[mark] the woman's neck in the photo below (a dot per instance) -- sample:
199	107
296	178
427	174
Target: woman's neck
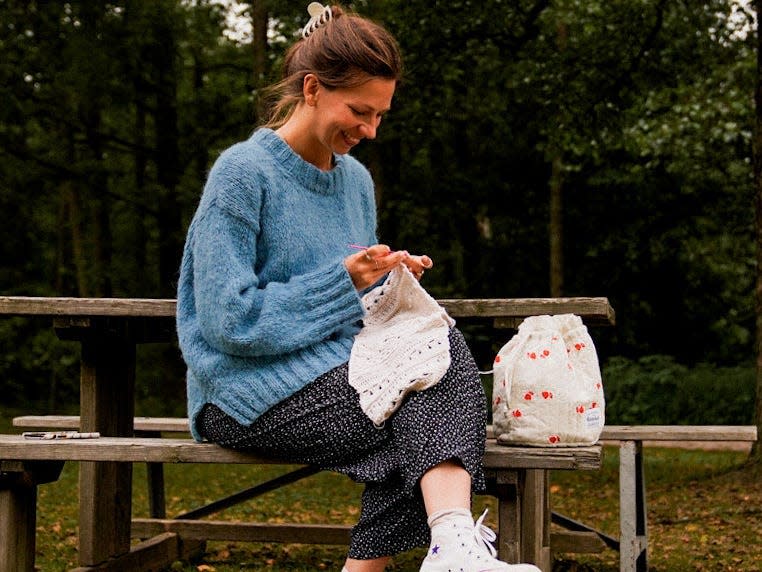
296	134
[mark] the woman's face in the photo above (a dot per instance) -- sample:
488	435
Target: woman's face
346	116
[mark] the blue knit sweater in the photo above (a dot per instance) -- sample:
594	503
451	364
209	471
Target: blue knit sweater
264	303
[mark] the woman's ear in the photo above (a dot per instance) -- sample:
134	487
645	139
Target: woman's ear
310	89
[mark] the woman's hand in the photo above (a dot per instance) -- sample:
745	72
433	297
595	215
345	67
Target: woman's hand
417	264
369	266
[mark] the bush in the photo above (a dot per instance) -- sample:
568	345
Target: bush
659	391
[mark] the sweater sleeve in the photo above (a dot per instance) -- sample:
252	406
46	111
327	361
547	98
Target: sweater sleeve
240	316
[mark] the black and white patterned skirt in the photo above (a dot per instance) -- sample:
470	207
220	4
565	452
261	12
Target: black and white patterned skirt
323	425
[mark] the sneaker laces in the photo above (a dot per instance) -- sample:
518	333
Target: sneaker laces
484	535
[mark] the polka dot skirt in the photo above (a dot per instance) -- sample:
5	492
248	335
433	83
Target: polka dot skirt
323	425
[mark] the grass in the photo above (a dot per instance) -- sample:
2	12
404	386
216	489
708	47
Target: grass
705	514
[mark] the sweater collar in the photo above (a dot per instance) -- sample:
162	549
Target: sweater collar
303	171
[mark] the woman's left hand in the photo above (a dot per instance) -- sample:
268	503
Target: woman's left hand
417	264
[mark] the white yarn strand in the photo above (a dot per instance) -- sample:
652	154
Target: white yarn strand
319	16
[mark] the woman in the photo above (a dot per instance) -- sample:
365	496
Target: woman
269	304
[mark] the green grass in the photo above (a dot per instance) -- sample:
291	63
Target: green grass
705	513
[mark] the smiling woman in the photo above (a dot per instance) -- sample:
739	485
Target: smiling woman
271	301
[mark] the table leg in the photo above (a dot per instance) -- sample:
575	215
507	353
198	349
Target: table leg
107	405
18	510
633	541
535	519
504	486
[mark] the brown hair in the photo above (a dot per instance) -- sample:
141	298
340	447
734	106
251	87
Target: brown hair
346	51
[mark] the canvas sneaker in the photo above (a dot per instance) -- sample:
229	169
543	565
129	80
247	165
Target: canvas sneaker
467	549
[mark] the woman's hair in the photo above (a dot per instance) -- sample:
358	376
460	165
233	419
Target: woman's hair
345	51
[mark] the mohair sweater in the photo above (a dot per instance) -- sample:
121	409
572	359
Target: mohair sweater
264	302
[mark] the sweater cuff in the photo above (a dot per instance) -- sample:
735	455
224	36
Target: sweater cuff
331	297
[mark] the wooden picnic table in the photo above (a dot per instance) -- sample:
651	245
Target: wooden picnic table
108	331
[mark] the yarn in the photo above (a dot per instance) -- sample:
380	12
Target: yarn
402	347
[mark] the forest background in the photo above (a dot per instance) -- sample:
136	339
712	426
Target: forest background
535	148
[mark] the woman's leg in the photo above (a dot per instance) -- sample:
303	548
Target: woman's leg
445	486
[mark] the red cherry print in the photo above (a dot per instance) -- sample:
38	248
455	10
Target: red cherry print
580	408
498	400
578	346
531	355
547	395
529	395
553	439
516	413
597	386
545	353
593	405
497	359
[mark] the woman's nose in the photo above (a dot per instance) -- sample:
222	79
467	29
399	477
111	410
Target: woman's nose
368	129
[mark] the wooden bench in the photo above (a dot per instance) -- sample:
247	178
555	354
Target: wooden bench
516	476
632	542
633	514
108	331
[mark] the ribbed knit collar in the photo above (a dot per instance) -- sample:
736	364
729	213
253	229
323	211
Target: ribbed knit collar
303	171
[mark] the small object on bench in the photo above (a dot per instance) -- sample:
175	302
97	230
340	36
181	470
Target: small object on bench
143	427
60	435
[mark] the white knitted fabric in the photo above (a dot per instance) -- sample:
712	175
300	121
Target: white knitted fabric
403	346
547	387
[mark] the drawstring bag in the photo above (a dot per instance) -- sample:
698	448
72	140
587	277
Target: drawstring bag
547	387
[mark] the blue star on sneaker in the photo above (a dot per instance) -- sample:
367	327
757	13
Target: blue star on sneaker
435	550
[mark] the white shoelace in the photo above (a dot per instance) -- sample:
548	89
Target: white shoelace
484	535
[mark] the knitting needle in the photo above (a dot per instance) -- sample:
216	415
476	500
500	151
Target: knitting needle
365	248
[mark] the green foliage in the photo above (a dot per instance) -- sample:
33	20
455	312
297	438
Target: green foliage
45	376
111	114
657	390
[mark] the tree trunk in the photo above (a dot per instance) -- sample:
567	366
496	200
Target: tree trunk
556	230
259	46
556	218
167	152
756	453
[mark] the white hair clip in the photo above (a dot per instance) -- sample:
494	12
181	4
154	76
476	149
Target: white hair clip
319	15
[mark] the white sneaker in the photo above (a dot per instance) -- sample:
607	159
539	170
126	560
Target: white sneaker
459	549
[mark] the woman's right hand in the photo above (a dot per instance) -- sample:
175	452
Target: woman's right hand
369	266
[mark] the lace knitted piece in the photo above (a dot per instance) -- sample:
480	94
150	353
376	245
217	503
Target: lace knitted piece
402	347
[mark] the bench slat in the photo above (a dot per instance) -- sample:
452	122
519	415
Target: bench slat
243	531
679	433
609	433
158	450
164	424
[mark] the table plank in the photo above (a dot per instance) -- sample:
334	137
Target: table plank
594	310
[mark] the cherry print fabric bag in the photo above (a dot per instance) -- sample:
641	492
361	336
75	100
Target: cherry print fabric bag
547	387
